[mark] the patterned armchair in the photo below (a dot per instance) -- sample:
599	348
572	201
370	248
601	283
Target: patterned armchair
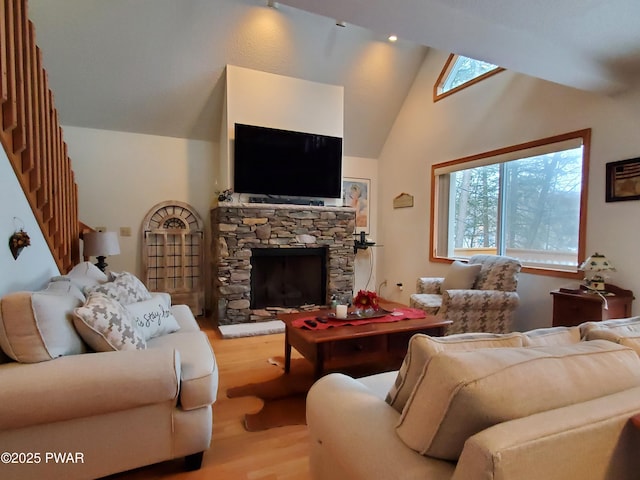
488	306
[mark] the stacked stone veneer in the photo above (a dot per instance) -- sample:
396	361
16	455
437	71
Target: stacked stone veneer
239	228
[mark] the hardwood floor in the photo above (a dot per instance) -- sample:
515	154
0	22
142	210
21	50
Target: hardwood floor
275	454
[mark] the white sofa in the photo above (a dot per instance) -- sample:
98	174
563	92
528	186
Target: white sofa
67	412
552	408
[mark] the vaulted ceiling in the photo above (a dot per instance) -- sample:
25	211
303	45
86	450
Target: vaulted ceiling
156	66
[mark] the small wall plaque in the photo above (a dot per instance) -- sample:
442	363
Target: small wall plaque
403	200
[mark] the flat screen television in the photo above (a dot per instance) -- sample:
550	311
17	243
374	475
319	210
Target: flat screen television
270	161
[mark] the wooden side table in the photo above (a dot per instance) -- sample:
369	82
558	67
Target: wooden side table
573	308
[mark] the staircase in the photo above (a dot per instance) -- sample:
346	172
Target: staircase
32	137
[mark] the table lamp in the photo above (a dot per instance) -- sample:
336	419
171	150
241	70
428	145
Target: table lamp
101	245
593	268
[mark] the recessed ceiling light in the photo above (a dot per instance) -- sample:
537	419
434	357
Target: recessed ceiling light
393	38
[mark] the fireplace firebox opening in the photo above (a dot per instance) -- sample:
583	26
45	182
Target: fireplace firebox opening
288	277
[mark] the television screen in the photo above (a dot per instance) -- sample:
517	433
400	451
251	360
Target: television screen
282	162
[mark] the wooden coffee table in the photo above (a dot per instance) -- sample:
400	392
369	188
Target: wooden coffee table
348	346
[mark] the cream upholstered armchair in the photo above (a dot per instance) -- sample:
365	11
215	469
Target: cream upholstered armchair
479	296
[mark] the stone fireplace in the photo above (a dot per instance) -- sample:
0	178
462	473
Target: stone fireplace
305	235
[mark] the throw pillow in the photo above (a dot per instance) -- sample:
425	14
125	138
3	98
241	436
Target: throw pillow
64	286
38	326
625	338
551	336
126	288
460	276
422	348
463	393
84	275
153	317
106	325
618	325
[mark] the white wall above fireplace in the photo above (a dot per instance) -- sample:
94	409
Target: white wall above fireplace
277	101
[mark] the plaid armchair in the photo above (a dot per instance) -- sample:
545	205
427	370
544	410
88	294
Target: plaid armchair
488	306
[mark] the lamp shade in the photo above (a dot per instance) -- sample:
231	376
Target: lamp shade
101	244
596	263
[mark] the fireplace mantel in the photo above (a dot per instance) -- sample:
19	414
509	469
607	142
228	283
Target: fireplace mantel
238	228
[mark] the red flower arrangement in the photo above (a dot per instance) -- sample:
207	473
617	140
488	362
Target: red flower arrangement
366	300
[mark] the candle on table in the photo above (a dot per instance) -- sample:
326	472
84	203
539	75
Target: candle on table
341	311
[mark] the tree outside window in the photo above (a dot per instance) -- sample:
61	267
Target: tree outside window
526	206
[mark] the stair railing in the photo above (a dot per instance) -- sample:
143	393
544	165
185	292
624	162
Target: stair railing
32	137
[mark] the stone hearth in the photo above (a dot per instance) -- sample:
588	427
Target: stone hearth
239	228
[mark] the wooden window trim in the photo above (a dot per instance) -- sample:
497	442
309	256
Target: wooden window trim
582	229
447	69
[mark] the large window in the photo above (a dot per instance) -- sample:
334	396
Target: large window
460	72
527	201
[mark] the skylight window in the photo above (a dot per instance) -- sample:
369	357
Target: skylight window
460	72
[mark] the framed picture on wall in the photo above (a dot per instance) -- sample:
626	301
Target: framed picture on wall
623	180
356	193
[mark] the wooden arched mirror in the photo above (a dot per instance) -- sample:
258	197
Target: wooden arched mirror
173	253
